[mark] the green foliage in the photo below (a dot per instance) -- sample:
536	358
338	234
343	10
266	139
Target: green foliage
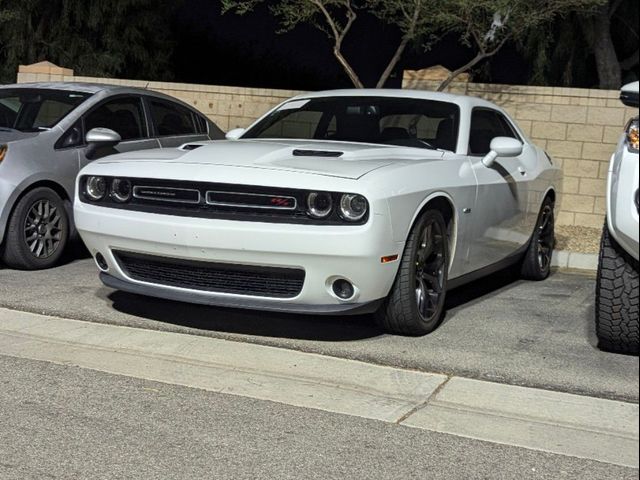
94	37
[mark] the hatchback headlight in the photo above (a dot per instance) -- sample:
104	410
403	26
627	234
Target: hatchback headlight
632	135
95	188
353	208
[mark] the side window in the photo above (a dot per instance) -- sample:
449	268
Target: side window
509	131
171	119
485	126
201	124
123	115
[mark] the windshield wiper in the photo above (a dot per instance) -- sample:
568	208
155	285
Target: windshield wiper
8	129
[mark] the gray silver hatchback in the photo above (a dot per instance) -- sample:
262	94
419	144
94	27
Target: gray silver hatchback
49	131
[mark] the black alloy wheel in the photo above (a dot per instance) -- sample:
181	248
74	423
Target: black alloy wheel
429	272
37	231
545	238
43	229
416	302
536	264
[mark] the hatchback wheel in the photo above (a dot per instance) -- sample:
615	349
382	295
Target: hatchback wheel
38	231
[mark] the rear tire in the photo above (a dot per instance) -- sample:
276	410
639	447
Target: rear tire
616	298
37	232
416	302
537	261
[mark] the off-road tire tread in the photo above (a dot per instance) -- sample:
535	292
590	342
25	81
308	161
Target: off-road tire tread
616	298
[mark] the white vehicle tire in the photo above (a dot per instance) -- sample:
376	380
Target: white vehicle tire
616	298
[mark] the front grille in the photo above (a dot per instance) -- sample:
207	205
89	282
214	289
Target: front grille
221	201
213	277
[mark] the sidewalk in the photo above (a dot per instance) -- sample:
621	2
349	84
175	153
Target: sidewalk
566	424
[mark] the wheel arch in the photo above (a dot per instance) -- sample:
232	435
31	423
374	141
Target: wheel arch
47	183
442	202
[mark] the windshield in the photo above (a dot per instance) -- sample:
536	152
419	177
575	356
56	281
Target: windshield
32	110
381	120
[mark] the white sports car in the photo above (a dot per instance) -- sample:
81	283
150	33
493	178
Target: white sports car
336	202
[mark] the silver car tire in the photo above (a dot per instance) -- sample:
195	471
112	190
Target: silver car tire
415	305
37	231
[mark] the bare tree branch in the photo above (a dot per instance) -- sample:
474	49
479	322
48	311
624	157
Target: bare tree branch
406	38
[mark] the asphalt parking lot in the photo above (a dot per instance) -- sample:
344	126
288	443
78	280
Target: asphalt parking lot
501	328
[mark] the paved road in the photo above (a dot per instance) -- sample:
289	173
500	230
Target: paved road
499	329
66	422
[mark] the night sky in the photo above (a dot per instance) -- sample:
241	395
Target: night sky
246	51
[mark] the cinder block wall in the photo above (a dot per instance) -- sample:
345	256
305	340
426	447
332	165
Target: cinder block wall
579	127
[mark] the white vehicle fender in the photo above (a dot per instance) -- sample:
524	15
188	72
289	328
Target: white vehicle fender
401	232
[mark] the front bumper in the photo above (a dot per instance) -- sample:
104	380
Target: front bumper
325	253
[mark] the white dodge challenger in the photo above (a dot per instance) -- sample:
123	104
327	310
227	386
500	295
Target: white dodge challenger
336	202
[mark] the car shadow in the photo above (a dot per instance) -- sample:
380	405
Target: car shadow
281	325
247	322
74	251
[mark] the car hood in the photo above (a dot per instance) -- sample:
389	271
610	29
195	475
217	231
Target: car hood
12	136
311	157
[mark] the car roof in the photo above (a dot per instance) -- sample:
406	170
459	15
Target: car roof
77	87
404	93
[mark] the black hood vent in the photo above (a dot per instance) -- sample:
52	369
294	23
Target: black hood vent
317	153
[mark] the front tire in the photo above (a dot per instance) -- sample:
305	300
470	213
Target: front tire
37	232
416	302
616	298
537	261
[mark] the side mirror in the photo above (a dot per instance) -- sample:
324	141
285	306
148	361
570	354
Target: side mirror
502	147
99	139
235	134
629	95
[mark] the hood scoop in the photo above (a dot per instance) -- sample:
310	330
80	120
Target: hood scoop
317	153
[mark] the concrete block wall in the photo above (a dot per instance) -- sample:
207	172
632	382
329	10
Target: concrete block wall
579	128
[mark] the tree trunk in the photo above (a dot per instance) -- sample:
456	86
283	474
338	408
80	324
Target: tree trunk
609	72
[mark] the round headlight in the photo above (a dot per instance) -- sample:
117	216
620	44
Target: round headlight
96	188
353	208
121	190
320	205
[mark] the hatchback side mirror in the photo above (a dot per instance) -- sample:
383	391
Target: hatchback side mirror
235	134
502	147
99	139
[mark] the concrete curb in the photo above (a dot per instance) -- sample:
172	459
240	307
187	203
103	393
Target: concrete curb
560	423
576	261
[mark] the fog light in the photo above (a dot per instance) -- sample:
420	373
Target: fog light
101	262
343	289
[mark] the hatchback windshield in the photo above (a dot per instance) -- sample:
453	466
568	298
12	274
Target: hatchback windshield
30	110
381	120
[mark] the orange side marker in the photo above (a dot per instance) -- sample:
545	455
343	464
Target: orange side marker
390	259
